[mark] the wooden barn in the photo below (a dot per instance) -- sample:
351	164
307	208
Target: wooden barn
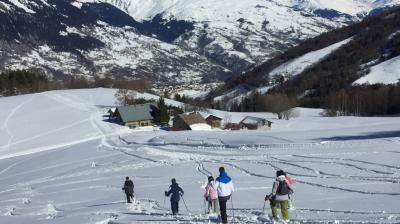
254	123
184	122
214	121
133	116
233	126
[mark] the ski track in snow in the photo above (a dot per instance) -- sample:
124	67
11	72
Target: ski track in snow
5	127
247	172
77	176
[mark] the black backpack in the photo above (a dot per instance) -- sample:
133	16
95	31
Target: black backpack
283	188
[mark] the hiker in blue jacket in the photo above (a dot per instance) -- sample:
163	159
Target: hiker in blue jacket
224	187
176	192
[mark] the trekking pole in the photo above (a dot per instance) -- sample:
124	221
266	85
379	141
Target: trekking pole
293	208
124	196
233	210
264	207
184	202
164	201
205	206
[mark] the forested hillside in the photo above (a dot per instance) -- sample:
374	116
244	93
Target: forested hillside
324	84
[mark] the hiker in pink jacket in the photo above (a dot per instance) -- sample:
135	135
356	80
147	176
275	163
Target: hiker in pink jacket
211	196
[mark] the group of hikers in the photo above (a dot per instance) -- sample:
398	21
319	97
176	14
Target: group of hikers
219	191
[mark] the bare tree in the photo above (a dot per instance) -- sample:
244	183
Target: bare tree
125	97
291	113
277	103
227	118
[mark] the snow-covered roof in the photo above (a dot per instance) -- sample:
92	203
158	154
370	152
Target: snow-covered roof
192	118
253	120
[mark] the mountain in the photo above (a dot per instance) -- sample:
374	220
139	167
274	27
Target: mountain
170	42
96	39
356	60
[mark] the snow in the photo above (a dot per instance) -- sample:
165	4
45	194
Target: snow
4	7
393	35
340	165
387	72
351	7
191	93
200	127
22	4
77	4
297	66
263	23
124	49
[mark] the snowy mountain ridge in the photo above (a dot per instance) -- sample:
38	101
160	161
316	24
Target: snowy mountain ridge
192	10
170	42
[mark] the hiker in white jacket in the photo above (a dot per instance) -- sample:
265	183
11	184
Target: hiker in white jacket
224	187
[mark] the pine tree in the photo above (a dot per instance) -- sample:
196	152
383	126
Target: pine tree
161	115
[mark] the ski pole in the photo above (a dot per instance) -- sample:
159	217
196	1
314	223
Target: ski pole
164	201
184	202
123	193
233	210
205	206
264	207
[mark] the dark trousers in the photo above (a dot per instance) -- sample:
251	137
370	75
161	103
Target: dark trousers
175	207
222	207
128	197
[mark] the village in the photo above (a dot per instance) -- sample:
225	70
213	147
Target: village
143	115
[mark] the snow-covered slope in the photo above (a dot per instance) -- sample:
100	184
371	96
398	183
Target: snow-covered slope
298	65
339	165
286	71
62	118
350	7
387	72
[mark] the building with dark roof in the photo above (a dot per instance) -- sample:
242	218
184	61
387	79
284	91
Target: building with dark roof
133	116
213	121
183	122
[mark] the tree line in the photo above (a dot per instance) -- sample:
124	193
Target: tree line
373	100
281	104
27	81
22	82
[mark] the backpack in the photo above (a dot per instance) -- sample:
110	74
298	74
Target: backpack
283	188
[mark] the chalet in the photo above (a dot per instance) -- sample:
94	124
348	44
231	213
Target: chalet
133	116
254	123
191	121
111	113
213	121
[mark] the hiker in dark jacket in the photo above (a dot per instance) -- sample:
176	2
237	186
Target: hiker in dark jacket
176	192
279	196
128	188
